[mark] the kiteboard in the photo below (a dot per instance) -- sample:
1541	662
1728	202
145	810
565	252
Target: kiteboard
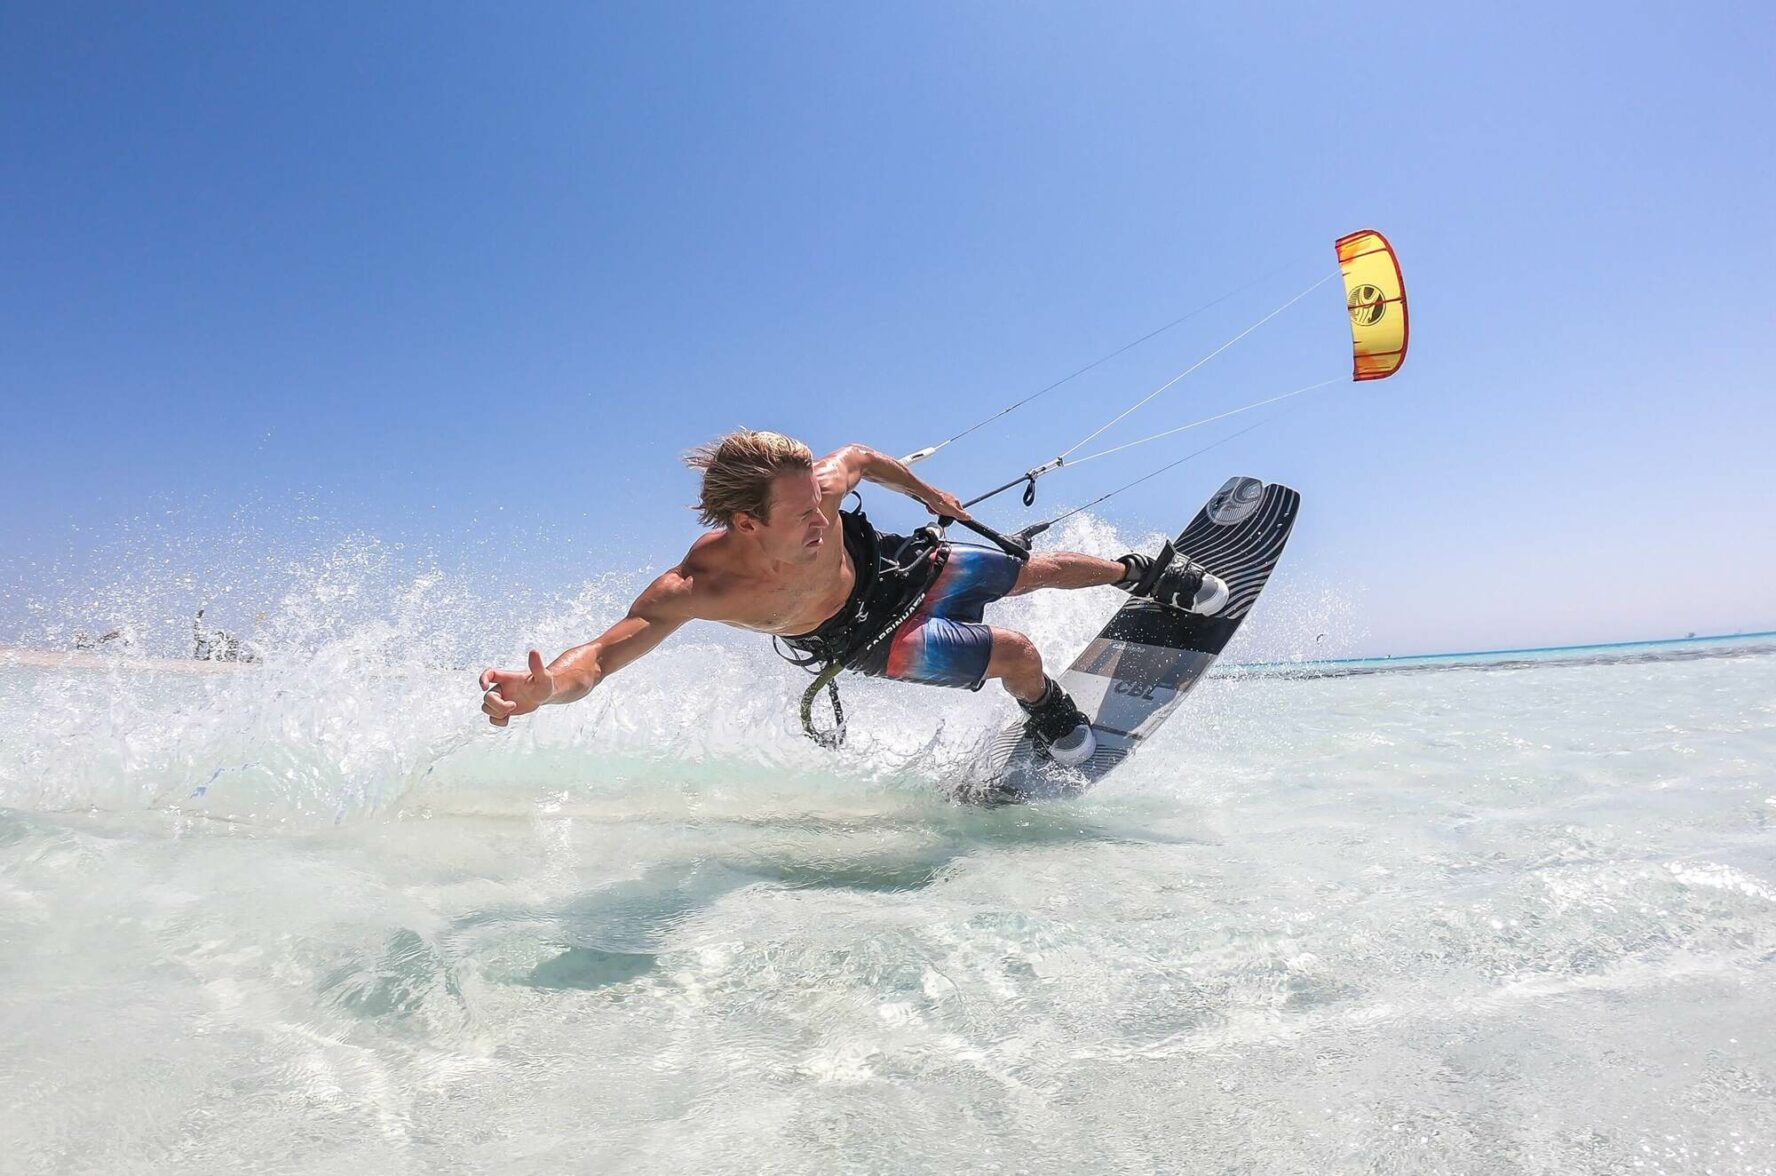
1138	669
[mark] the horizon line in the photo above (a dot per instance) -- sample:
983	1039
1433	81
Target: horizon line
1338	661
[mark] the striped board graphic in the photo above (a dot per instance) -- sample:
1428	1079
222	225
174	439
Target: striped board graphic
1140	666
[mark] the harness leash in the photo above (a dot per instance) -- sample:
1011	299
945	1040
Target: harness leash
834	739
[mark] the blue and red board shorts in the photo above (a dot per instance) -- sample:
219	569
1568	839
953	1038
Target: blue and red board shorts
944	642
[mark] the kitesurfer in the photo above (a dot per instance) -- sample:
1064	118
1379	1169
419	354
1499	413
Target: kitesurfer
906	608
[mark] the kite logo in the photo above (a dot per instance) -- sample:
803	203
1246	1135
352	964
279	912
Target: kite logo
1367	305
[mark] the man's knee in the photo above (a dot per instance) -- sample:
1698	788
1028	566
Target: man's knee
1014	654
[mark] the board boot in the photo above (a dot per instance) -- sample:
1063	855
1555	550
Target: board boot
1182	584
1058	726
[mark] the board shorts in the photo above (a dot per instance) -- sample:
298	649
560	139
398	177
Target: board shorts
944	642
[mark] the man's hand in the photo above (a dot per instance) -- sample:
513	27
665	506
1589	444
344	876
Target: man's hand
506	693
947	505
666	604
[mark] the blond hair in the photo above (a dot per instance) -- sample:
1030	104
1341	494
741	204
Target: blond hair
738	470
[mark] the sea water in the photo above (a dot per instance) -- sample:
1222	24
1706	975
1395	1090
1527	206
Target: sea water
314	916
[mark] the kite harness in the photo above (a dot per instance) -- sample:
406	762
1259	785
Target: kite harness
893	575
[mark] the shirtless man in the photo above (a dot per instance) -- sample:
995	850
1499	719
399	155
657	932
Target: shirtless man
785	560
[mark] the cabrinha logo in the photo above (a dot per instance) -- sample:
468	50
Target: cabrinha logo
1367	305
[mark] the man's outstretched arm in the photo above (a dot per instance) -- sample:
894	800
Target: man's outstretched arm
654	616
860	463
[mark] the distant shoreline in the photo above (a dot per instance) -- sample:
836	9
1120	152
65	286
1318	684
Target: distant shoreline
1658	649
81	659
1556	648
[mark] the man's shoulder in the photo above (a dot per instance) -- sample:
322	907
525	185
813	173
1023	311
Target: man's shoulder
699	584
708	556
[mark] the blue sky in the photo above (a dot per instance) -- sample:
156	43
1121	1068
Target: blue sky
471	277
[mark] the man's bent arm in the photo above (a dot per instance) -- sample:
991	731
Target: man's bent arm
861	463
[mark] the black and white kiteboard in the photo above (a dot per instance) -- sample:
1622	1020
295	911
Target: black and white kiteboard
1140	666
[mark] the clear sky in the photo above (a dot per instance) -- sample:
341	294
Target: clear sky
472	276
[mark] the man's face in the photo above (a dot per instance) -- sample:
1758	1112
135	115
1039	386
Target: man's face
797	527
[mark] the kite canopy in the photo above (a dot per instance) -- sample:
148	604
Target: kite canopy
1375	292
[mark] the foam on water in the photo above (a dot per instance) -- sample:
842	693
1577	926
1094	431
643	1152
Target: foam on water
313	916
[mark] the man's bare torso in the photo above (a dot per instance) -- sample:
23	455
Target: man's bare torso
780	598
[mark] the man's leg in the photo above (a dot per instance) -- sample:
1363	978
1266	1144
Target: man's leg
1056	722
1066	569
1183	585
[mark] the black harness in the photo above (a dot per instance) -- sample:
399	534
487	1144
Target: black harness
894	572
